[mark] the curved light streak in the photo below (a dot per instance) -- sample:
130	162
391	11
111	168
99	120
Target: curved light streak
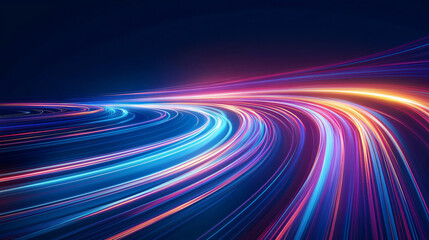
316	153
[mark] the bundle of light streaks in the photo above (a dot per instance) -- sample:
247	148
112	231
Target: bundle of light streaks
319	153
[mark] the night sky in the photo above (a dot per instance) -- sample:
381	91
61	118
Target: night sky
65	50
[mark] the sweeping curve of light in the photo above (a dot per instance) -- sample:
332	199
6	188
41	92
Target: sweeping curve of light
319	153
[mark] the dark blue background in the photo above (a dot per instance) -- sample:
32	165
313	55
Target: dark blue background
63	50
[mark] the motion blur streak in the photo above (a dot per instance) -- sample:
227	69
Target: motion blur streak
337	151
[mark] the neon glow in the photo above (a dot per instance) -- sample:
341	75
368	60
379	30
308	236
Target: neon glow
316	153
